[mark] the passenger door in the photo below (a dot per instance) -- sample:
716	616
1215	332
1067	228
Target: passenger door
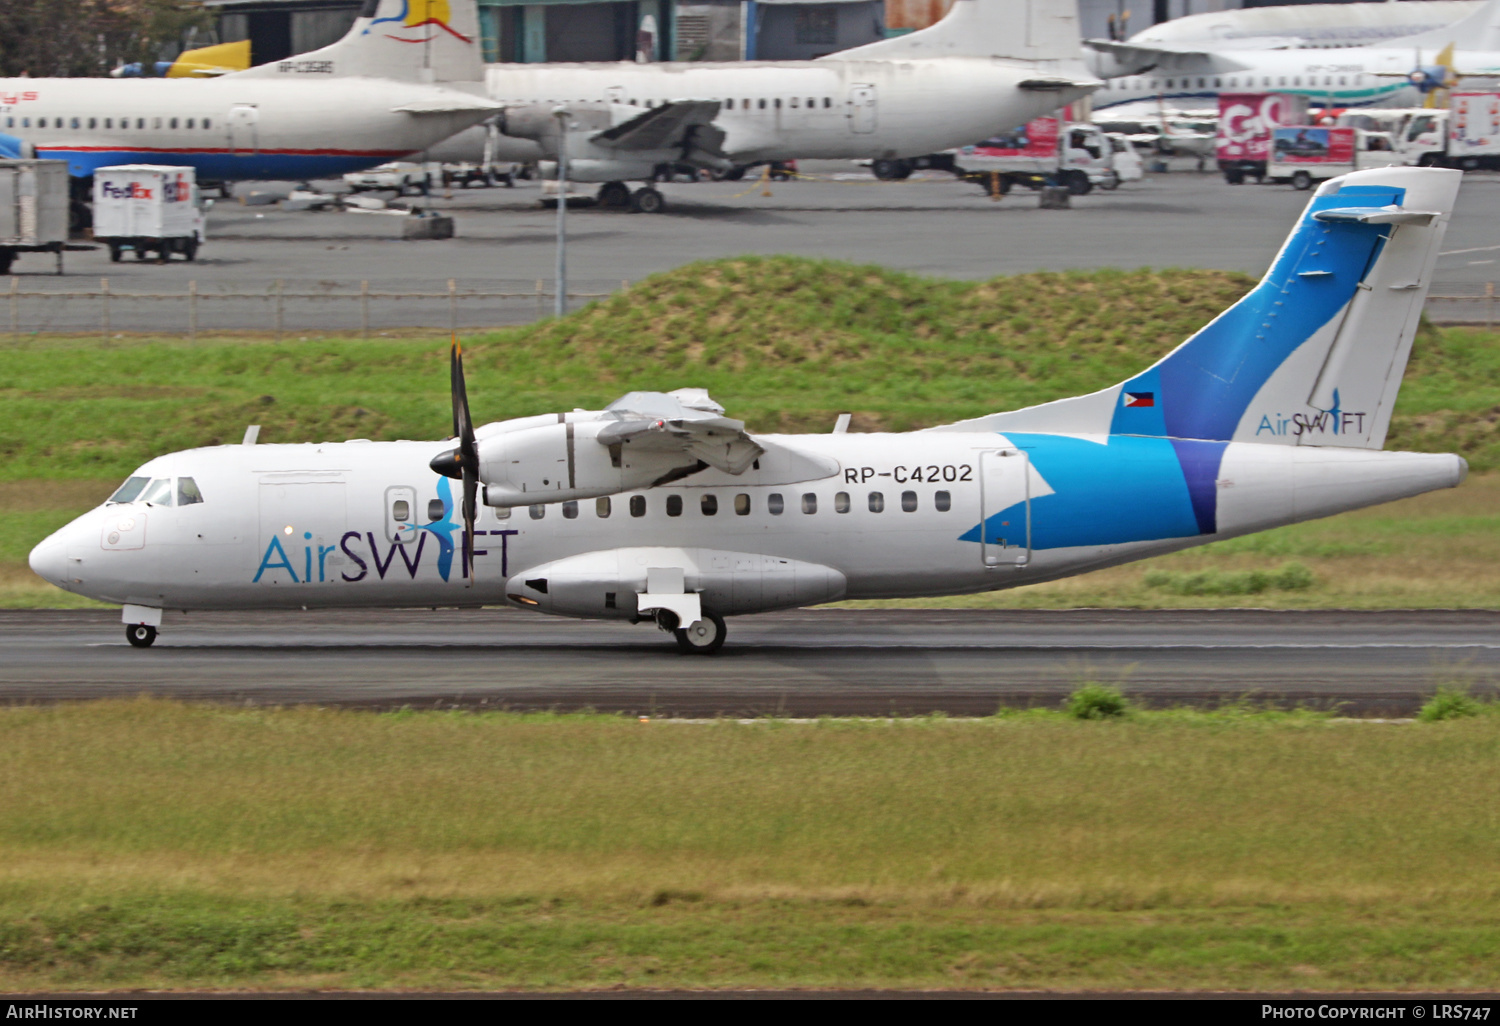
1005	488
307	518
244	129
862	108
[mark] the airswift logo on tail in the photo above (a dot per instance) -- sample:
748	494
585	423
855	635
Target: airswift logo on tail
424	19
1333	421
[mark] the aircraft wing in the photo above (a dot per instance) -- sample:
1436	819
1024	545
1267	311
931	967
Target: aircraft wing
1166	58
686	422
670	126
718	441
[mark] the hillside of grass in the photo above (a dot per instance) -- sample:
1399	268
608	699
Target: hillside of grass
784	343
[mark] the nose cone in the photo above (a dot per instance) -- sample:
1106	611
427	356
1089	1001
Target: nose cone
447	464
49	562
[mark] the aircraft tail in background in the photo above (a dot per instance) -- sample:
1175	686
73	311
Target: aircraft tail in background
408	40
1021	30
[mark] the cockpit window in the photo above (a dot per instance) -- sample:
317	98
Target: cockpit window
187	492
159	492
130	489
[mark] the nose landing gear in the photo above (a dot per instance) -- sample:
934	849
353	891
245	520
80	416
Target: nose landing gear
141	635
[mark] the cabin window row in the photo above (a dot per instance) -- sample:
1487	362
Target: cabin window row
108	123
708	505
734	103
1234	82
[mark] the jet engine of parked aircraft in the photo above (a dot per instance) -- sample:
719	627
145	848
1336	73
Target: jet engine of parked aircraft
659	508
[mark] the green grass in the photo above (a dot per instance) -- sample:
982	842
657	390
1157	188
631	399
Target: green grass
154	844
785	344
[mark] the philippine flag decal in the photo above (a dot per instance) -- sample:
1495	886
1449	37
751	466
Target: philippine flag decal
1140	398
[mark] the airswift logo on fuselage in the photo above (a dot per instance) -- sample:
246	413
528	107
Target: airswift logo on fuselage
423	19
362	550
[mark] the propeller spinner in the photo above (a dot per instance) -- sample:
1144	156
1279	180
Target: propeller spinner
462	463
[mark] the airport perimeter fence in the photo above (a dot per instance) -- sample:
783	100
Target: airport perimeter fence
1463	302
285	309
282	309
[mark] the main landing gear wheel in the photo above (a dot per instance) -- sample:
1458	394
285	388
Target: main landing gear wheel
647	201
140	635
615	195
703	638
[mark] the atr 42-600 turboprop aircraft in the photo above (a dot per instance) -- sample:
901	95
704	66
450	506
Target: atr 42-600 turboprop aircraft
374	95
1395	73
987	66
661	509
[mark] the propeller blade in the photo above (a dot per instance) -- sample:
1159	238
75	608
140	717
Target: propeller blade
471	511
464	459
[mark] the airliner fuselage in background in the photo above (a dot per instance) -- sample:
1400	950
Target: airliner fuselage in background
383	91
1394	73
659	508
987	66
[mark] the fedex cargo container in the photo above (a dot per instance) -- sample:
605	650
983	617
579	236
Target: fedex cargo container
33	209
1246	121
149	208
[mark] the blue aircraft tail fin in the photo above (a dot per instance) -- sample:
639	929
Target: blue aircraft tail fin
1313	354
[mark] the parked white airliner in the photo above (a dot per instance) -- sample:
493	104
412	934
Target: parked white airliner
385	90
1306	25
987	66
660	508
1396	73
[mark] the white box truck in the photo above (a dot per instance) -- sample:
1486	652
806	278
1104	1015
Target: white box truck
1466	136
148	208
1305	154
33	209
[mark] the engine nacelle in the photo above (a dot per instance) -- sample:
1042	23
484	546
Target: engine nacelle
591	170
552	462
611	583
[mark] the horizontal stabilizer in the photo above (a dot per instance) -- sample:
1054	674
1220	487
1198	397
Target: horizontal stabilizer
448	102
1132	59
1376	215
1053	84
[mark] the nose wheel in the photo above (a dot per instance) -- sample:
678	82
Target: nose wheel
140	635
703	638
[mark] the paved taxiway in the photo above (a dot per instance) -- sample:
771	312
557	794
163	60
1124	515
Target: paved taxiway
804	663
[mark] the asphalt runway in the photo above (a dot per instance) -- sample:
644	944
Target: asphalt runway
802	663
930	224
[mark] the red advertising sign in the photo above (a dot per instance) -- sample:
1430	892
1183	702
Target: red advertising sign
1306	144
1246	121
1036	138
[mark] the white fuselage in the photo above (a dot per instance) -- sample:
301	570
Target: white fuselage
1307	25
284	526
1356	77
796	109
230	128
